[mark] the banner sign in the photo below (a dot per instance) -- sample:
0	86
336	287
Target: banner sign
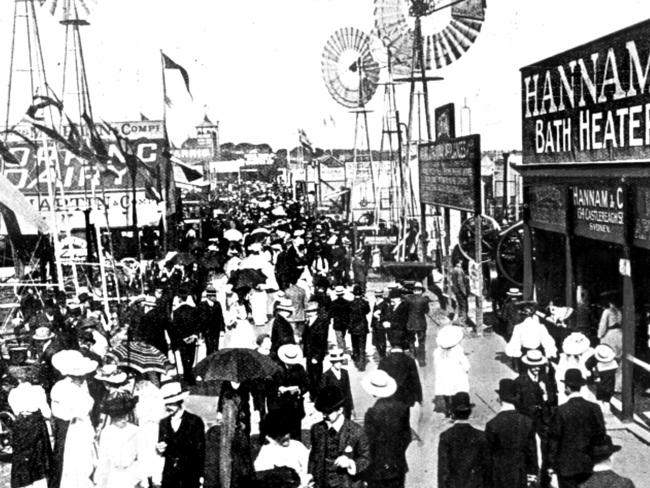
591	103
380	240
642	216
599	212
450	172
548	207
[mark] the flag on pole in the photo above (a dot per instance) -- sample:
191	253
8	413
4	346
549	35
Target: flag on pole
304	141
168	63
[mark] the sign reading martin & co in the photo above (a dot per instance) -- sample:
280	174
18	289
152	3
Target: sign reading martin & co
599	212
590	103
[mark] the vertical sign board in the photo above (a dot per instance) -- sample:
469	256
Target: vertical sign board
450	173
445	116
642	216
547	205
599	212
590	103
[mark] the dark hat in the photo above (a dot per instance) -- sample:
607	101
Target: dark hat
508	390
573	377
83	297
329	399
394	293
602	448
119	405
276	424
460	402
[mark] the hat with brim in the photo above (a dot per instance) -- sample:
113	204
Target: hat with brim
109	373
394	293
449	336
576	344
604	354
43	334
514	292
172	392
285	305
290	354
336	355
508	391
418	286
603	448
379	384
311	307
379	293
329	399
573	377
339	290
460	402
70	362
534	357
119	405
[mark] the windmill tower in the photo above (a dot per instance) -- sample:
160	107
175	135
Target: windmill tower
351	75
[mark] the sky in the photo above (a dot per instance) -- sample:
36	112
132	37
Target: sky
255	65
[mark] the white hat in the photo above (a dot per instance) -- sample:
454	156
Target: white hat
255	247
285	304
110	374
449	336
172	392
534	357
71	362
514	292
378	383
604	354
339	290
42	334
290	354
575	344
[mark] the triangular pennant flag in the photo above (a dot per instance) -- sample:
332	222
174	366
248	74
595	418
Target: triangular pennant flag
168	63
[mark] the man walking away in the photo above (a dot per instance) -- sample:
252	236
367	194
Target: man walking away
416	326
603	475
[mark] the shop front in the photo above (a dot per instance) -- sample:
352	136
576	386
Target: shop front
586	176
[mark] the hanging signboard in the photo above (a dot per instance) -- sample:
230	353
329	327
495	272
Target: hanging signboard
598	212
548	207
590	103
642	216
450	173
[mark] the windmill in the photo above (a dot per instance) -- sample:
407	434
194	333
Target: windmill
351	76
422	35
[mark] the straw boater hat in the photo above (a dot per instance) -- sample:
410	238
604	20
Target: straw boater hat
575	344
449	336
70	362
379	384
109	373
172	392
604	354
336	354
255	247
514	292
534	357
339	290
285	304
43	334
290	354
418	286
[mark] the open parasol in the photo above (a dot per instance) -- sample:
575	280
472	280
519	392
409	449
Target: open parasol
241	279
235	364
140	356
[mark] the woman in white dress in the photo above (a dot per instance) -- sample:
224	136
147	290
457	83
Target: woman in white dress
149	411
450	364
74	434
576	349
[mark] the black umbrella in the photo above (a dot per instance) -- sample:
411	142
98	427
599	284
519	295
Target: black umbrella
235	364
246	278
183	258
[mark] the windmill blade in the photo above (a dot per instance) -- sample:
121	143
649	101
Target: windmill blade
350	71
70	9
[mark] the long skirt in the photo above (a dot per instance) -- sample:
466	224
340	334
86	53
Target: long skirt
32	452
79	455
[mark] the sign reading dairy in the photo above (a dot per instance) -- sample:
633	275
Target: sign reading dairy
591	103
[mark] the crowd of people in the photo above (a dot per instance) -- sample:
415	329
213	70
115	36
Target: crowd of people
262	275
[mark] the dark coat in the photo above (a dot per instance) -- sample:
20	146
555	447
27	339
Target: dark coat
281	334
511	441
291	403
418	308
463	458
403	369
573	429
352	435
185	452
185	322
329	379
32	451
380	313
607	479
152	327
314	338
211	323
398	317
359	310
340	313
389	434
531	401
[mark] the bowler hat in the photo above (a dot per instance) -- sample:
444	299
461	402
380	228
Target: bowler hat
573	377
602	448
460	402
394	293
329	399
276	424
508	390
119	405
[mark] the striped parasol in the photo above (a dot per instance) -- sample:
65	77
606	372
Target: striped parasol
140	356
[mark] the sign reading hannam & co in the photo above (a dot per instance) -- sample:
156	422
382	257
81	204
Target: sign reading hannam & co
590	103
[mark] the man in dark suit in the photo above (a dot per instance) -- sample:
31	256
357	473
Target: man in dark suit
184	332
574	428
402	368
339	447
379	314
603	475
511	441
152	327
389	433
338	376
416	325
211	319
463	456
340	313
314	344
396	318
181	441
